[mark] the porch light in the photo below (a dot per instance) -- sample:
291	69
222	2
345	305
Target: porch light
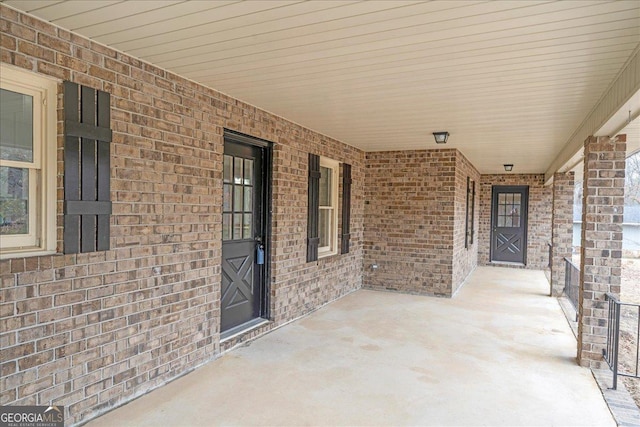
508	168
441	137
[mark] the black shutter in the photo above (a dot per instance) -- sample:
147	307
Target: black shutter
466	216
473	211
87	205
471	198
313	239
346	208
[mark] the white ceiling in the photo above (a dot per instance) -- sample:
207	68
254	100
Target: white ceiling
510	80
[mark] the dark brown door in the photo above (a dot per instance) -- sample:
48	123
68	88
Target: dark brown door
244	245
509	208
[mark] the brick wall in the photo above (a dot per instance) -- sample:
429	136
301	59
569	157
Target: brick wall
539	225
415	213
92	331
465	259
562	228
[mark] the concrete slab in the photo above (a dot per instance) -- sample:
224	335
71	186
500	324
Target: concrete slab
499	353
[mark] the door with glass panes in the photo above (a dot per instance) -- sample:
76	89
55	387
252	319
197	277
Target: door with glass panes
243	235
509	208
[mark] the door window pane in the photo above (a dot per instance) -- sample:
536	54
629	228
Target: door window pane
237	170
509	209
227	173
226	226
248	171
226	199
237	198
247	230
237	226
248	200
14	201
16	126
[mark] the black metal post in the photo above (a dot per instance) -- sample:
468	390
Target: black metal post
616	338
637	342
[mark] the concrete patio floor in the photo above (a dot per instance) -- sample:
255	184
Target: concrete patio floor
499	353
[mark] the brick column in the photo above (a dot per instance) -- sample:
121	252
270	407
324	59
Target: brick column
561	229
602	212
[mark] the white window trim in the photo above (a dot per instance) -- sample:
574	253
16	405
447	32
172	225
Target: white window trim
332	249
45	149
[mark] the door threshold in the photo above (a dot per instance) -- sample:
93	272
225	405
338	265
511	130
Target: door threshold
241	329
519	264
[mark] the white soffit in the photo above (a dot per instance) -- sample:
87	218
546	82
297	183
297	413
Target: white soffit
510	80
626	121
631	130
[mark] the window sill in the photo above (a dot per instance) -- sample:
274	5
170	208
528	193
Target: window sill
26	253
325	255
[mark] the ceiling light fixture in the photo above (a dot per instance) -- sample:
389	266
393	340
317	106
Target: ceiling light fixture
508	167
441	137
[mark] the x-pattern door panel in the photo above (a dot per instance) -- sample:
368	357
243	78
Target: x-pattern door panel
511	243
237	281
509	223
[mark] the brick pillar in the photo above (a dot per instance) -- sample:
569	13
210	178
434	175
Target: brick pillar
561	229
602	212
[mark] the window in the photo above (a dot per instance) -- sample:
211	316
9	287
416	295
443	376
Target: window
509	209
27	163
322	215
328	207
237	204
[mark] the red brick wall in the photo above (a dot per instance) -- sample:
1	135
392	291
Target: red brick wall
92	331
540	208
414	228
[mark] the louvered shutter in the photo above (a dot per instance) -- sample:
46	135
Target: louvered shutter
313	238
346	208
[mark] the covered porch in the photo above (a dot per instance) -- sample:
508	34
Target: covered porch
500	353
275	157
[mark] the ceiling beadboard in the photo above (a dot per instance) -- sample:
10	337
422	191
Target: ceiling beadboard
512	81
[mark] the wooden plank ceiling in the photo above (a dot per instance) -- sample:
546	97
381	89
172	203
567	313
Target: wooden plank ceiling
510	80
